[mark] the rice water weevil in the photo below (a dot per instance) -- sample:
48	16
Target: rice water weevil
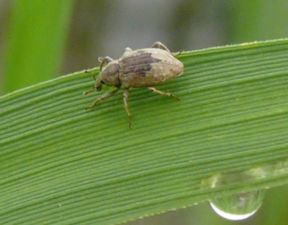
145	67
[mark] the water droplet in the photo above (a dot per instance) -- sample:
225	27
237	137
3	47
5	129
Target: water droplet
242	206
238	207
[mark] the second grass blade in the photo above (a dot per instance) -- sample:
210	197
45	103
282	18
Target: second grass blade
35	41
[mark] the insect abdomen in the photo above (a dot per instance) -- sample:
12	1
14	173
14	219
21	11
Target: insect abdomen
148	67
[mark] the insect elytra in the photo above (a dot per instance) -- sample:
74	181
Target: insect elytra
145	67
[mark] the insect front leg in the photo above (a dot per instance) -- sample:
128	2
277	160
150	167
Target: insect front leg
90	91
125	101
104	60
102	97
168	94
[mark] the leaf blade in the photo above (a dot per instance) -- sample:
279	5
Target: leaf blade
64	165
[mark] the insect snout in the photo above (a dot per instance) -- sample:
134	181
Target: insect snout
99	86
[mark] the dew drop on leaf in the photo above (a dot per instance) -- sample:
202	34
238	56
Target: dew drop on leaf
238	207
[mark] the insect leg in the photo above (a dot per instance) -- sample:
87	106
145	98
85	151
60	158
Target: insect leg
158	44
89	91
154	90
125	101
102	97
104	61
177	54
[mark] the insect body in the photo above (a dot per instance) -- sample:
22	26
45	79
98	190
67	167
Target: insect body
139	68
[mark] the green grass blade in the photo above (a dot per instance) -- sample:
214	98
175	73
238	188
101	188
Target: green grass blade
251	20
62	165
36	41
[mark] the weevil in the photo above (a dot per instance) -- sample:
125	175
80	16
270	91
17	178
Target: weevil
145	67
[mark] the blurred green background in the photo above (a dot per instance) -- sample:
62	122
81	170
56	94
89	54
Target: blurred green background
42	39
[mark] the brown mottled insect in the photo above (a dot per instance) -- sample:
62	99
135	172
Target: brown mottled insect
139	68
